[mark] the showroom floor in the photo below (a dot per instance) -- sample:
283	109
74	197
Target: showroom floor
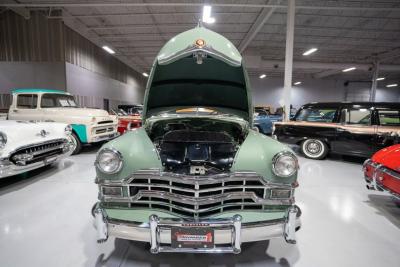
45	221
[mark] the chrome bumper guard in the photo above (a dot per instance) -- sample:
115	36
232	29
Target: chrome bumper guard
228	231
374	183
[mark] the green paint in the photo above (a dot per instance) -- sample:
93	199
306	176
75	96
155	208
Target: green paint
256	153
80	130
38	90
142	215
138	152
225	84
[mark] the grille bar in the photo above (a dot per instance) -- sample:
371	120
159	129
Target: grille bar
198	196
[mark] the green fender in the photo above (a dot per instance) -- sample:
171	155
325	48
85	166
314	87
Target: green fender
80	130
256	154
138	152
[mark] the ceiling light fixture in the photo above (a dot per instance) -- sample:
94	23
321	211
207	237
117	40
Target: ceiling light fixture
109	50
380	79
349	69
310	51
145	74
297	83
392	85
262	76
207	15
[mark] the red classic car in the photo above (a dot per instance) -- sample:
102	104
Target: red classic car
382	171
127	121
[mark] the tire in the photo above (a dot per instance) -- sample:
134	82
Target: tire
78	144
314	149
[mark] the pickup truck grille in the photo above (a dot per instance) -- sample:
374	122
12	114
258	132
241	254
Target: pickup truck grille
37	152
201	196
105	122
104	130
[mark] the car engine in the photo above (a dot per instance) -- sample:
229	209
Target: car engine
197	147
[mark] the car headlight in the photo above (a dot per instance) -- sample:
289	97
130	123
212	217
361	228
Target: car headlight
109	161
284	164
68	129
3	140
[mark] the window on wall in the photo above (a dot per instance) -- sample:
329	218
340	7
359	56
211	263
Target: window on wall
316	114
358	116
28	101
389	117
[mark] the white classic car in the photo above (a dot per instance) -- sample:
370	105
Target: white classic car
25	146
88	125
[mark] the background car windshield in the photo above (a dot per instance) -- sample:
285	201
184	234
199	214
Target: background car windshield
58	100
316	115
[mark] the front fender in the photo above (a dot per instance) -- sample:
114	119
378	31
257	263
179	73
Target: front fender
256	154
138	152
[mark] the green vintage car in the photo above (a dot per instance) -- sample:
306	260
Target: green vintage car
196	177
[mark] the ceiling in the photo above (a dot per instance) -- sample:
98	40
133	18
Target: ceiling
346	33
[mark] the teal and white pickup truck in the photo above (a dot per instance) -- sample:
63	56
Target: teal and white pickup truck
88	125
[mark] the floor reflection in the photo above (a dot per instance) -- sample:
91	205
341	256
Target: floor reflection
387	206
129	253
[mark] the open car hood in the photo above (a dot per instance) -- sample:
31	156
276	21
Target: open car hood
198	68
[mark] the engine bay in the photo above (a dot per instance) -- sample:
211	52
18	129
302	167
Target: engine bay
196	146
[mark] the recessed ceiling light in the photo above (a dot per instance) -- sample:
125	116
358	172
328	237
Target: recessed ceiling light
207	15
310	51
262	76
145	74
297	83
109	50
349	69
392	85
380	79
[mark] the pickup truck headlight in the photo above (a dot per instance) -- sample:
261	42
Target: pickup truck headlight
285	164
3	140
109	161
68	129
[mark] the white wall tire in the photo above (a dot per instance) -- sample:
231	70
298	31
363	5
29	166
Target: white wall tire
314	149
77	144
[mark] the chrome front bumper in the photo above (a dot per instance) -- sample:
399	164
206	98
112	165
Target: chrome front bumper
229	233
8	168
374	183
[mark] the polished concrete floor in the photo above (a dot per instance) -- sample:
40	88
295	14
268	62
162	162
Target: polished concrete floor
45	221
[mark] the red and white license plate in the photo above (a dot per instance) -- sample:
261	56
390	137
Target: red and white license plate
192	237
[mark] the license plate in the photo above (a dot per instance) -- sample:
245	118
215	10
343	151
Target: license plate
192	237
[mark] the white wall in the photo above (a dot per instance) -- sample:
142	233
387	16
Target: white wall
91	88
31	75
268	91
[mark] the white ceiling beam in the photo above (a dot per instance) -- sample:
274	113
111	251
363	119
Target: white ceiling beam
264	15
256	62
185	4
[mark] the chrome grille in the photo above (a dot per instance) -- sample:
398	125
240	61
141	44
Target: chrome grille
38	152
199	196
104	130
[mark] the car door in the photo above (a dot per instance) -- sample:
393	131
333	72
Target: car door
356	135
25	108
388	127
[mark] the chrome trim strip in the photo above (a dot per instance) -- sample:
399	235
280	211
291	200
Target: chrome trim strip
191	49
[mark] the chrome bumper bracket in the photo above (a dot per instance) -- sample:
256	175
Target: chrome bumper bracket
156	224
290	225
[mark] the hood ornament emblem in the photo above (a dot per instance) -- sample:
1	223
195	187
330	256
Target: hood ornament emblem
200	43
43	133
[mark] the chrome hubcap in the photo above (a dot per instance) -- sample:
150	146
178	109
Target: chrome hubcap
314	147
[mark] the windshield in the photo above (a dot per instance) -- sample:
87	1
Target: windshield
58	100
